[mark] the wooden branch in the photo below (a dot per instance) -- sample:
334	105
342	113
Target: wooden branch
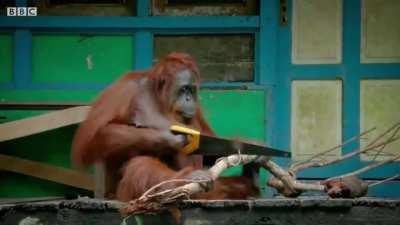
183	181
384	146
220	165
285	181
371	146
42	123
344	157
297	166
384	133
150	203
48	172
367	168
229	161
383	181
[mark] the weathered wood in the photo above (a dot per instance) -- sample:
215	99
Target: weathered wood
48	172
30	200
42	123
100	181
38	105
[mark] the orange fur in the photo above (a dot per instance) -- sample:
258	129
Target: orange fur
108	135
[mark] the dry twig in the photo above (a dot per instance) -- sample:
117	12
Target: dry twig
384	181
284	181
153	203
297	166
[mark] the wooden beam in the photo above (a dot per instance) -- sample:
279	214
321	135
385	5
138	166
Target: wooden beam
48	172
42	123
100	181
38	105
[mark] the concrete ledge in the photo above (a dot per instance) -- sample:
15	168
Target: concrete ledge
306	210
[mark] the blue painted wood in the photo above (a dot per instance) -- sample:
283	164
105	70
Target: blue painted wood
349	166
22	58
143	50
351	72
266	72
281	101
354	72
266	62
21	3
265	50
351	82
232	85
383	71
143	8
121	24
390	189
100	86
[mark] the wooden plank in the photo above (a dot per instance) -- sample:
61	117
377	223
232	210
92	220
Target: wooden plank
38	105
48	172
100	181
42	123
30	200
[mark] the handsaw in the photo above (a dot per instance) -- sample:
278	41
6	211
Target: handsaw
209	145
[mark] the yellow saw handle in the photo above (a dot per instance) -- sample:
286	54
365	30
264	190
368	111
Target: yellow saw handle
193	137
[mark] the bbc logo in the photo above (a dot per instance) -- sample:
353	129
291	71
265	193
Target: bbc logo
21	11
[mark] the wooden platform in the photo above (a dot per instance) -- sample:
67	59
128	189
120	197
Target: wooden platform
278	211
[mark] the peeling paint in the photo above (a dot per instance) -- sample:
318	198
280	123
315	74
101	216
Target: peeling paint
89	62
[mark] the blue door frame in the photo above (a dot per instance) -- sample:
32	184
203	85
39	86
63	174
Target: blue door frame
273	68
350	72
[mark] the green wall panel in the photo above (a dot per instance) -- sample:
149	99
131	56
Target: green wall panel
231	113
80	59
6	55
236	114
14	185
50	147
